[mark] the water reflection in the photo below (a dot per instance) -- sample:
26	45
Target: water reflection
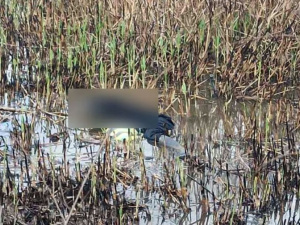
239	154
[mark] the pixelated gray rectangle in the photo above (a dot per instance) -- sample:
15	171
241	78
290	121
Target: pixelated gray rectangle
113	108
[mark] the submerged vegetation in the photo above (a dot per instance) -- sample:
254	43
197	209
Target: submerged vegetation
228	73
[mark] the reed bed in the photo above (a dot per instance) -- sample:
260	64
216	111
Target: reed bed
243	159
243	156
250	49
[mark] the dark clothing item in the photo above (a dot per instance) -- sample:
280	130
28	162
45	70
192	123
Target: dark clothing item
152	135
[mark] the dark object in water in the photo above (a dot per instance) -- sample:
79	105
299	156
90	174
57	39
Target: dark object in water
159	136
57	136
54	137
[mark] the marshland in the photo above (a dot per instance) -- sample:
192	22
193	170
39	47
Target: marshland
227	73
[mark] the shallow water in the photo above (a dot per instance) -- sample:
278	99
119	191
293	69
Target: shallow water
217	134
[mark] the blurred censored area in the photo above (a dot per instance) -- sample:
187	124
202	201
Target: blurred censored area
114	108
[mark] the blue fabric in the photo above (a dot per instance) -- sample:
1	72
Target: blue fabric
152	135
